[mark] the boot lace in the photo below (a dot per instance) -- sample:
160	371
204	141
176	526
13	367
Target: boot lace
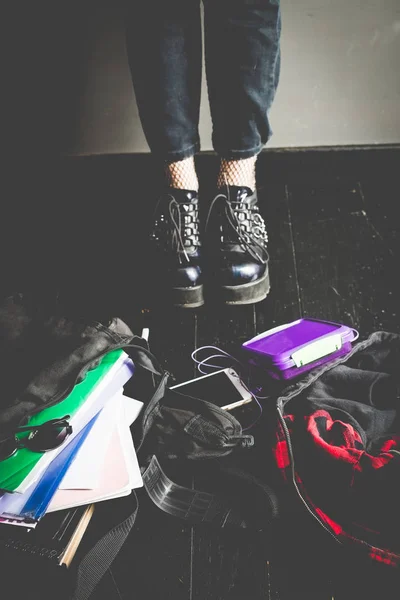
177	227
245	221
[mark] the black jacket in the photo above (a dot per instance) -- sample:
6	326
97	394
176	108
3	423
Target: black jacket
338	444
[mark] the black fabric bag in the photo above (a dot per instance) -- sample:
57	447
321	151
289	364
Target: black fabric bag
338	446
44	354
186	434
179	431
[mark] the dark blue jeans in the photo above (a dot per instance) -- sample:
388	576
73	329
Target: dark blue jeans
242	59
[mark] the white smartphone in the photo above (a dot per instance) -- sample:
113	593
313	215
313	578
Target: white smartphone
223	388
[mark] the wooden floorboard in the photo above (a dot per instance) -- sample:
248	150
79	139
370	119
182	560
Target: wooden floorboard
223	564
382	208
334	241
282	304
346	272
155	561
160	548
334	246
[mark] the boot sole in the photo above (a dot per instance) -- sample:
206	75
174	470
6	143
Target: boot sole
191	297
248	293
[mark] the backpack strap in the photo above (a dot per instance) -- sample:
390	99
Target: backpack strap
190	505
102	551
194	506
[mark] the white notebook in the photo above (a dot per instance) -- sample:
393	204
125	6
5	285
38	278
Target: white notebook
118	471
117	376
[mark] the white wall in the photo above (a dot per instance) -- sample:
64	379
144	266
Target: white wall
340	80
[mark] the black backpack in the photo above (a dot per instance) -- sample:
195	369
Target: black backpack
185	434
44	354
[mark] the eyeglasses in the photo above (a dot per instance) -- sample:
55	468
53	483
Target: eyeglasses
40	438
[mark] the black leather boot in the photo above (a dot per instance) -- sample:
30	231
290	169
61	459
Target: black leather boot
176	248
236	242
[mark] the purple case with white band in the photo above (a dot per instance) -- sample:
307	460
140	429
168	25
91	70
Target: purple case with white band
294	348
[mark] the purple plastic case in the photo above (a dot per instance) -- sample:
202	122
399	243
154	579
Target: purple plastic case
294	348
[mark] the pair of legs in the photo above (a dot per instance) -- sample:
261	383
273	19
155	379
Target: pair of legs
242	60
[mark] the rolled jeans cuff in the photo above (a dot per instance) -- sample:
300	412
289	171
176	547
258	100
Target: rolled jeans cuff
177	155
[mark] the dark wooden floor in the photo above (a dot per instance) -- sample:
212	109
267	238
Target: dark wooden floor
335	245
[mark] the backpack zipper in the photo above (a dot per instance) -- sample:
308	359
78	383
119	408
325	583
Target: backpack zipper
304	501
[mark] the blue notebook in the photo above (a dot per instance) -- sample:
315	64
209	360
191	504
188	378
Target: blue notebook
21	470
32	504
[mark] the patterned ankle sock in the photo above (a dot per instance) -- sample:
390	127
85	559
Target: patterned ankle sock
238	172
182	174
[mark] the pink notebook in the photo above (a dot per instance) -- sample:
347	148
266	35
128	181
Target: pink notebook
114	481
119	475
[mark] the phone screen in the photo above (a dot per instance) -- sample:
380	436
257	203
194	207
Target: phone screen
217	388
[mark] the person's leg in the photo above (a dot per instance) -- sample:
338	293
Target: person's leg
242	50
163	43
165	57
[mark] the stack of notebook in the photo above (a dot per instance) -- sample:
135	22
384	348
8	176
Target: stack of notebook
96	462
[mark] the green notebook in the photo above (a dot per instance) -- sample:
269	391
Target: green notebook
18	471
